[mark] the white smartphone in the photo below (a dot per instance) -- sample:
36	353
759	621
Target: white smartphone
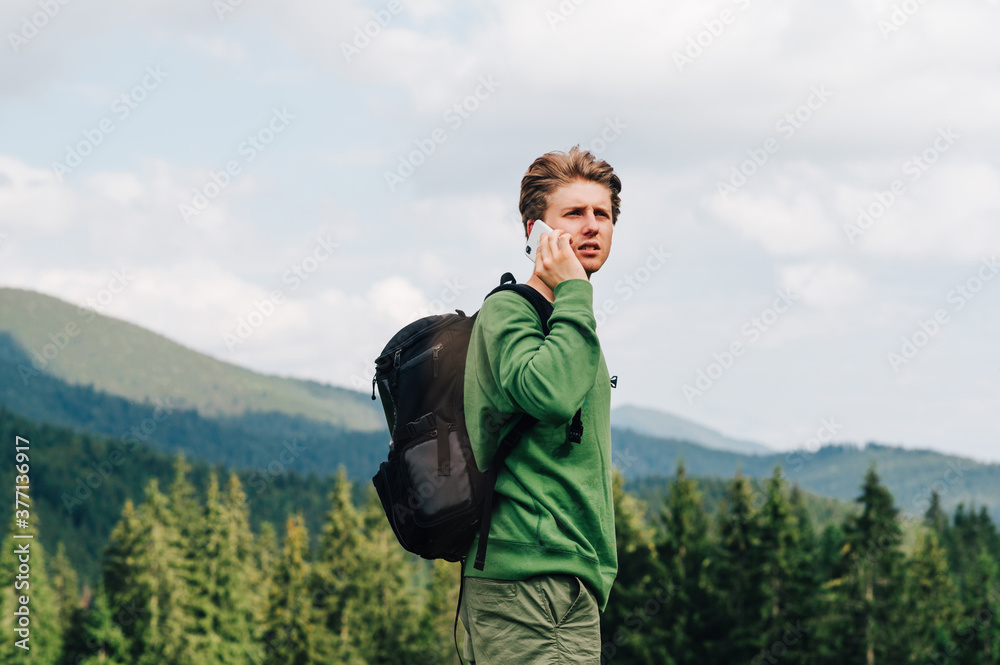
537	229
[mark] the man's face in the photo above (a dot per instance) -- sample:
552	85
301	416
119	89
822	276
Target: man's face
583	209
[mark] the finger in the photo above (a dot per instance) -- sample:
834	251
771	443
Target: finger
554	238
543	247
561	245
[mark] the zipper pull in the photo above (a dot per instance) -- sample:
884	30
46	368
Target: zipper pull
373	386
434	357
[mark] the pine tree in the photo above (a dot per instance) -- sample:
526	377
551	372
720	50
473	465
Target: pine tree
802	602
438	631
145	572
265	557
930	602
384	615
870	581
221	580
249	605
65	586
785	566
25	574
736	580
290	630
830	550
980	629
121	574
935	517
681	630
826	635
978	573
363	584
201	552
96	636
641	589
338	572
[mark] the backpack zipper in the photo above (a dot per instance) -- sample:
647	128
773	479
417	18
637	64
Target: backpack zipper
433	352
410	341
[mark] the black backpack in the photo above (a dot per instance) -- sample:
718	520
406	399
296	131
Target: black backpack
432	492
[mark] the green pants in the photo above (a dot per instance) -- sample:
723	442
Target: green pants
543	620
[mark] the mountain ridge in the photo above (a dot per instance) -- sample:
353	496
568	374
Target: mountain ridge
263	413
660	424
83	347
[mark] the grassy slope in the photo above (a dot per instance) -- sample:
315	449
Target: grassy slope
127	361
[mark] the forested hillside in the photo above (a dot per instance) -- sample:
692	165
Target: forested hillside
186	580
246	440
830	470
212	531
118	380
80	482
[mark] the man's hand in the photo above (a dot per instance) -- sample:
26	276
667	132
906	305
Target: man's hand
555	260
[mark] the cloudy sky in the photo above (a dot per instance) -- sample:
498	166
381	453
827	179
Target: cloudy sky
810	207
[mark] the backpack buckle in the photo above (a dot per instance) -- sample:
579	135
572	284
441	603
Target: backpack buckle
424	423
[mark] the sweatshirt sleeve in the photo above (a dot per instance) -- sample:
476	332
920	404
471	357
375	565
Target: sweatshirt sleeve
547	377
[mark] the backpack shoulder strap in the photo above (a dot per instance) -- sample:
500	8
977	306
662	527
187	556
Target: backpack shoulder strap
542	306
525	423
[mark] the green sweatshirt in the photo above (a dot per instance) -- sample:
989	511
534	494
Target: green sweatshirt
553	510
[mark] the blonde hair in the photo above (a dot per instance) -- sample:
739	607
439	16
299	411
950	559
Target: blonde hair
555	169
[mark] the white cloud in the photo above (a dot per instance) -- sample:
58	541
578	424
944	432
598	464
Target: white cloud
396	297
951	213
122	189
824	285
789	222
218	47
452	219
32	198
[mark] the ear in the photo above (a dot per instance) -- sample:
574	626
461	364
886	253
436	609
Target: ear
527	231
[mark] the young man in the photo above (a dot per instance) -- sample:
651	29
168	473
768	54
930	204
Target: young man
551	557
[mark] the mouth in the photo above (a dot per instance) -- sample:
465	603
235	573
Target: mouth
590	248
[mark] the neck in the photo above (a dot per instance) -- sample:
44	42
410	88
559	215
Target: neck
536	283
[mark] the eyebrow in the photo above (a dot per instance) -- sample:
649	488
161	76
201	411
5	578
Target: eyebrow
572	208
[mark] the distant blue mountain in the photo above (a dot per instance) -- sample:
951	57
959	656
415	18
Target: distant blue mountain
662	425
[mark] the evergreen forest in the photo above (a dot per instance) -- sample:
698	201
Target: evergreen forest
184	579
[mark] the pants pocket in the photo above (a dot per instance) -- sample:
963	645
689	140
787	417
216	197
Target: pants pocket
490	588
561	595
